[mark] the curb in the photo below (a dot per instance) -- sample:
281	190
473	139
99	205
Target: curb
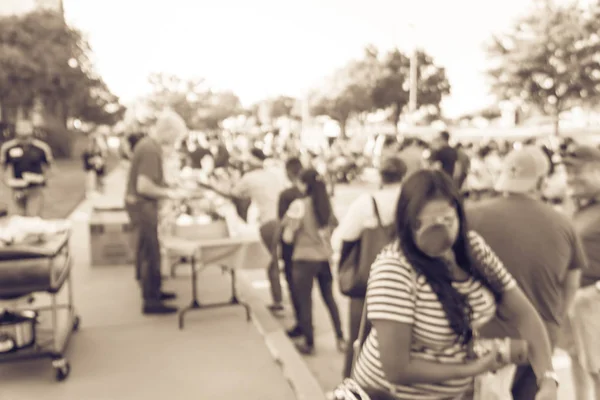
300	378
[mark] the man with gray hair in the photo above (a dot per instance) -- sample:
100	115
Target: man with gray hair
145	187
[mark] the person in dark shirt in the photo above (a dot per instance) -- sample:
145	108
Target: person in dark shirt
145	187
25	162
293	168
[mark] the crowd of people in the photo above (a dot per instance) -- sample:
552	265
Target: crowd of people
479	269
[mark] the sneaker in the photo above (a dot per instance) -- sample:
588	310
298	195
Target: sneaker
294	332
275	307
152	309
305	349
168	296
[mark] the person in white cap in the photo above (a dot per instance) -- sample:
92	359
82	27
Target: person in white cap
539	247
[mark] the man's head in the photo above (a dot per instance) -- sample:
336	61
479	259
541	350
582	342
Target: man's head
293	168
392	170
523	171
583	171
24	130
257	157
442	139
169	128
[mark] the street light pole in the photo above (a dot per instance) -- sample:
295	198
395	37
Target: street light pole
414	80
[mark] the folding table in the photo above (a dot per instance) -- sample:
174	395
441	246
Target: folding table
227	253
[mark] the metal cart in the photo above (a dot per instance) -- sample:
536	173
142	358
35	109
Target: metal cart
26	270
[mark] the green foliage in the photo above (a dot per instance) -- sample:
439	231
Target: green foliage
198	105
269	110
375	82
549	59
43	58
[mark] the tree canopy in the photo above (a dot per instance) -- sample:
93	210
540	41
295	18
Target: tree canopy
550	59
42	58
193	99
376	82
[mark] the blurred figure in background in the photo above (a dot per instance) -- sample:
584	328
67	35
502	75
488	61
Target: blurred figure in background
262	186
293	168
544	253
365	213
94	162
25	163
583	328
307	225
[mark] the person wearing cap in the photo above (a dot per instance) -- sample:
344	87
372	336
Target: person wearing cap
582	164
360	216
539	247
146	186
262	186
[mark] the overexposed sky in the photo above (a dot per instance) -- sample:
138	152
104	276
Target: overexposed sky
261	48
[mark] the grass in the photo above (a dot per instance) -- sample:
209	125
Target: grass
66	189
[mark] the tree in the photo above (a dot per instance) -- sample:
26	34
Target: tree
392	89
549	59
349	90
41	58
271	109
198	105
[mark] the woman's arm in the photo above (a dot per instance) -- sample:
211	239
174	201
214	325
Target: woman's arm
391	308
518	310
400	369
292	220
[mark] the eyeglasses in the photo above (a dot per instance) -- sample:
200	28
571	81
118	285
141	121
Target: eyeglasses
448	219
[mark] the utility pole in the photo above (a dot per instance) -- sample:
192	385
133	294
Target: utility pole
414	80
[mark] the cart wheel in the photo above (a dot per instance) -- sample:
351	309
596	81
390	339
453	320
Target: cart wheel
63	372
76	322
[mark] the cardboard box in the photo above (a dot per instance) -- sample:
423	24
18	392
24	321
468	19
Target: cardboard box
110	238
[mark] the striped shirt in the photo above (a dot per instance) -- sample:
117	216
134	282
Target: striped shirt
396	292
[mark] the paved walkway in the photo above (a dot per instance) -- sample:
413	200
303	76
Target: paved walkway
326	365
119	354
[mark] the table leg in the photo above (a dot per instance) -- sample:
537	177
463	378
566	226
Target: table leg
234	298
195	304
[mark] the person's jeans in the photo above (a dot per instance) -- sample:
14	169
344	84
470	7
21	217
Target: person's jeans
28	202
303	273
287	251
144	221
269	235
355	310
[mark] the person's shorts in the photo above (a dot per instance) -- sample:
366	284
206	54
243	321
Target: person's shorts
581	329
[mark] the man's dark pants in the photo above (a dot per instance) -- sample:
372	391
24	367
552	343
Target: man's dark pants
525	385
269	233
144	221
287	251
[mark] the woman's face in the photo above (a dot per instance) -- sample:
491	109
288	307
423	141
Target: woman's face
436	227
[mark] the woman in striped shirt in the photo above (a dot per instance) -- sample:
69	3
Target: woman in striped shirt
428	292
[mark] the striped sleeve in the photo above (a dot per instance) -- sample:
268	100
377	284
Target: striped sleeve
493	267
391	292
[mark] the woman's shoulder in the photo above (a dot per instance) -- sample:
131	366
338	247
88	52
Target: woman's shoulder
392	259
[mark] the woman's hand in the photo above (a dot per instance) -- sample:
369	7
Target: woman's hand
548	390
489	362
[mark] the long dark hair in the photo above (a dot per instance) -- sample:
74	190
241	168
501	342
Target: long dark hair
317	190
421	187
